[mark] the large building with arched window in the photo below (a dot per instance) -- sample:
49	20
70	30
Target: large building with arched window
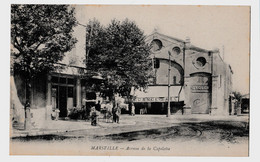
200	81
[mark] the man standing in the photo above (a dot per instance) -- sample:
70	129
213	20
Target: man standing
114	113
98	106
118	112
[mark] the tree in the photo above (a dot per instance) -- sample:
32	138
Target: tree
40	36
119	53
238	97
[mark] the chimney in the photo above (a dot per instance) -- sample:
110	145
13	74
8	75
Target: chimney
187	41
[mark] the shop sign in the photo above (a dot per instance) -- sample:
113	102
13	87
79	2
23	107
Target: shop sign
200	88
155	99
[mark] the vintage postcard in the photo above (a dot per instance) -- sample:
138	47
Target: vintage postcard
130	80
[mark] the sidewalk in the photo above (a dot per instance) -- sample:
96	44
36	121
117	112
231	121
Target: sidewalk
52	127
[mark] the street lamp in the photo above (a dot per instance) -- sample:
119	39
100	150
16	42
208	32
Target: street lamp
169	87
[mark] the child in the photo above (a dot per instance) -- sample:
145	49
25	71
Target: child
57	112
93	116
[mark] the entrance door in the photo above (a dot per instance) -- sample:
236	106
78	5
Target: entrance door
54	94
63	101
200	103
200	93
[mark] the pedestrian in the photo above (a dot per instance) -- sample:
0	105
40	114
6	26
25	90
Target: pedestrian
93	116
53	114
114	113
84	112
118	113
57	114
98	106
133	110
141	111
109	112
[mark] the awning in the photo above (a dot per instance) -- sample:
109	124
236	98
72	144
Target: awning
159	94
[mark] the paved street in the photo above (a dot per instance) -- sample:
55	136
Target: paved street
192	133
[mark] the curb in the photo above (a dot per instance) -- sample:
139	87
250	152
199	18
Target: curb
44	133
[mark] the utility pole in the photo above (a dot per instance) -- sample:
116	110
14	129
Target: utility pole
169	86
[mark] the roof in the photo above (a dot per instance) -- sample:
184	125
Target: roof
195	48
69	69
246	96
191	47
173	38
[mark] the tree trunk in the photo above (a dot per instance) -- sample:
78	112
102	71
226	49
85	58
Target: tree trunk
27	121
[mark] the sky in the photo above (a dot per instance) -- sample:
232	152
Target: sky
224	27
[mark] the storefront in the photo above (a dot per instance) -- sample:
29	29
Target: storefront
63	93
155	99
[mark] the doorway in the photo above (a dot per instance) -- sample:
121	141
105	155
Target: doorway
63	101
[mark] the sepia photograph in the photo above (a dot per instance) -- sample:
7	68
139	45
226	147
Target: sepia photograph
130	80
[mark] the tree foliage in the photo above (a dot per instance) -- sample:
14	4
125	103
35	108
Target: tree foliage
237	95
40	35
119	53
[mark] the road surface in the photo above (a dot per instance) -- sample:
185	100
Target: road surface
162	135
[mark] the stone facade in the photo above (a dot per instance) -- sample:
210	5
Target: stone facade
202	75
63	89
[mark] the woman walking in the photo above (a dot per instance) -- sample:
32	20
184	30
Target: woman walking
133	110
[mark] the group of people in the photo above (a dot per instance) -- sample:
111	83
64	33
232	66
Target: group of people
142	110
110	111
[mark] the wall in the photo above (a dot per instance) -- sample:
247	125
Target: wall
197	80
39	87
38	90
168	45
200	93
222	87
37	102
20	86
199	64
162	73
191	62
17	113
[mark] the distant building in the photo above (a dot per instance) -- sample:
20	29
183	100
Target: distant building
201	82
